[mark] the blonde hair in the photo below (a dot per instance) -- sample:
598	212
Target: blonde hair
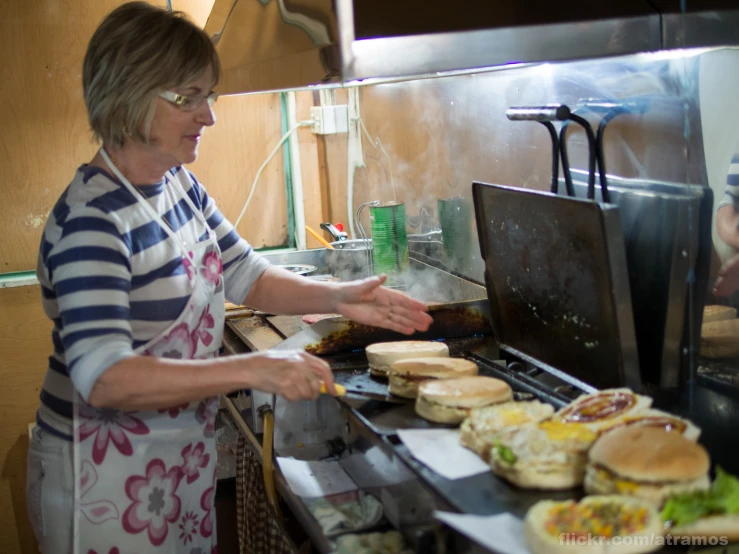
138	51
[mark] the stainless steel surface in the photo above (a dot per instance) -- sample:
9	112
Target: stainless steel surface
558	284
666	229
275	45
299	269
348	259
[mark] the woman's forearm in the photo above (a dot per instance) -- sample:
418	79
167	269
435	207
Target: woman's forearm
279	291
727	225
149	383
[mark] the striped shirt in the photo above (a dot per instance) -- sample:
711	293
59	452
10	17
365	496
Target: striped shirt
731	194
112	279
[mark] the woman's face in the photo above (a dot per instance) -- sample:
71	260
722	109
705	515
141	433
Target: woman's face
175	133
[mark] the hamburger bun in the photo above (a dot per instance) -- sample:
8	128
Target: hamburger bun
382	355
713	526
548	455
450	400
658	418
480	429
646	462
603	408
720	339
550	527
718	313
406	375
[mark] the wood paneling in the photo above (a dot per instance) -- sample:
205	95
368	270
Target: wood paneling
25	344
246	131
46	134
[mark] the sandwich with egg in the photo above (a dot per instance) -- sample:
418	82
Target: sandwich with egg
546	455
382	355
480	429
595	525
450	400
646	462
406	375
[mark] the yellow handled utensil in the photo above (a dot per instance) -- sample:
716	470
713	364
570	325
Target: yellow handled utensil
340	390
319	238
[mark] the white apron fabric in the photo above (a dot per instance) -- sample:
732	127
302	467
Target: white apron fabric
145	481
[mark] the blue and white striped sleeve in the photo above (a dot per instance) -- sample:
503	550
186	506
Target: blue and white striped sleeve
242	266
731	193
89	269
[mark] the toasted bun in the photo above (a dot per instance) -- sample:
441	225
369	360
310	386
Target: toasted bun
530	477
407	375
603	408
602	481
718	313
479	430
382	355
658	418
650	454
466	392
720	339
439	413
540	541
714	526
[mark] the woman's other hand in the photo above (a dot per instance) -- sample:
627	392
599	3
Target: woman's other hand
368	302
294	375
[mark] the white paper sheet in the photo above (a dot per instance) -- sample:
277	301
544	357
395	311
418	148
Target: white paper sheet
501	533
440	450
315	479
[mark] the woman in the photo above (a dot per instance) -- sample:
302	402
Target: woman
135	264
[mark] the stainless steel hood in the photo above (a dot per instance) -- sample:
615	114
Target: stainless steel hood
286	44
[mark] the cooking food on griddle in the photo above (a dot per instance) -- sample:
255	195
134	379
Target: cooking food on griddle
657	418
406	375
546	455
552	527
710	513
603	408
647	462
480	430
450	400
718	313
381	355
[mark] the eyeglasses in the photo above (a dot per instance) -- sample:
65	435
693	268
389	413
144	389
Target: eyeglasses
189	103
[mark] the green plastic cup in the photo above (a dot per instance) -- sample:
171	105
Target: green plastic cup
389	241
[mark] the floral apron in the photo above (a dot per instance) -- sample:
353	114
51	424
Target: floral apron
145	481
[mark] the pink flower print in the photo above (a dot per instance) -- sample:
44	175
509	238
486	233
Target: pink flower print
206	322
96	511
194	459
189	267
155	502
109	425
206	413
174	411
178	345
188	527
206	503
212	267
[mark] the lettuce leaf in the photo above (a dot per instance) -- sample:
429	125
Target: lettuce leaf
722	498
505	453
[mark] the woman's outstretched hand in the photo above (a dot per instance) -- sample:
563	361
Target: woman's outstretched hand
367	301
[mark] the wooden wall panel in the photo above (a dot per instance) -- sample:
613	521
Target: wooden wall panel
25	344
46	135
231	152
